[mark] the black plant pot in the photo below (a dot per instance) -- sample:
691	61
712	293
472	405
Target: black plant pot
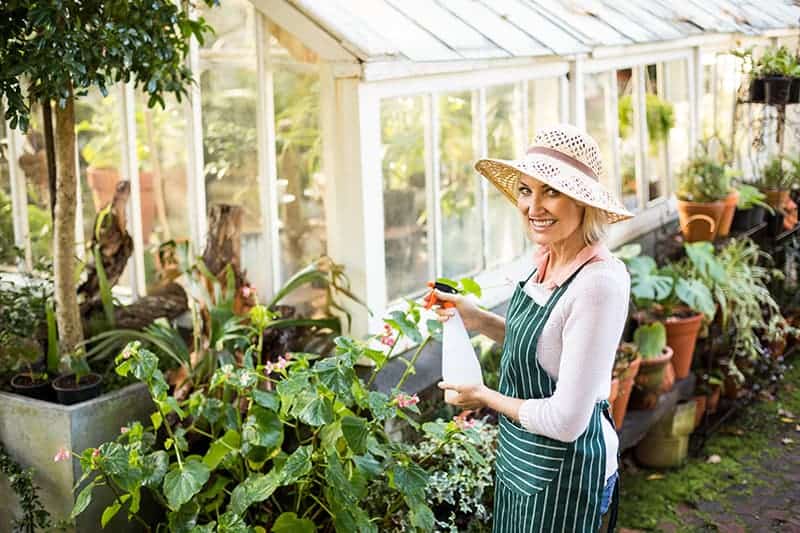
69	391
776	90
757	90
775	223
40	390
794	92
744	219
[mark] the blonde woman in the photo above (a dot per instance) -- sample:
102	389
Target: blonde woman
556	461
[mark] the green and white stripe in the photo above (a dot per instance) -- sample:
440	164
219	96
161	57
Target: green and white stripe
543	485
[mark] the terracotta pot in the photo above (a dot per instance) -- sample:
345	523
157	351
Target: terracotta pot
713	400
732	388
669	378
727	214
649	380
700	403
776	198
626	381
103	182
699	221
682	337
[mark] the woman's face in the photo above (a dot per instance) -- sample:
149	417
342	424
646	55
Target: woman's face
549	215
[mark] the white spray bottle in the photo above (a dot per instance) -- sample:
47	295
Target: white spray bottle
460	365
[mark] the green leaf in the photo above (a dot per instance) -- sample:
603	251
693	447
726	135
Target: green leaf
230	442
650	339
368	465
256	488
181	485
232	523
317	412
422	517
702	257
83	500
355	430
696	295
435	429
408	328
289	523
109	513
379	405
263	428
410	479
266	399
434	329
470	286
297	465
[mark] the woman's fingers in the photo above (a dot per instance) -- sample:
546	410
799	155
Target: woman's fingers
449	386
446	296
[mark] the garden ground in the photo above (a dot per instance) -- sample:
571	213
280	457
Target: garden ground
747	477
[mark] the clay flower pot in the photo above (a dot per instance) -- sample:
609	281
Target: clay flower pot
713	399
776	198
650	379
620	406
699	220
682	337
727	215
700	408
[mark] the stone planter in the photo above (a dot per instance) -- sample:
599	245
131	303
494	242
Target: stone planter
33	431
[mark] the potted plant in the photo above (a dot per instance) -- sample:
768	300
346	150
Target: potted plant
626	366
651	340
34	383
776	181
704	188
710	385
776	69
673	296
750	208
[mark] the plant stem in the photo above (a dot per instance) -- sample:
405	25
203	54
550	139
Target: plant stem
410	367
121	503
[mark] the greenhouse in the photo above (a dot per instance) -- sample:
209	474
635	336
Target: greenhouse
321	163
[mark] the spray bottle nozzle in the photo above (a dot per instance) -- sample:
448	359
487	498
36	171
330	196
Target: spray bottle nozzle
431	299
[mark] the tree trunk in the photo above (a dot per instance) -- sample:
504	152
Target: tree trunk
67	312
224	243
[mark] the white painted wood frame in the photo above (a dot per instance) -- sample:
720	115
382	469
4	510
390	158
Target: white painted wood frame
130	171
195	164
19	197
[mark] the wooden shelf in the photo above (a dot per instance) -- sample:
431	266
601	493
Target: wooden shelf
638	422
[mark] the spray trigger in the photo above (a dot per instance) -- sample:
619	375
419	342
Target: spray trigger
431	299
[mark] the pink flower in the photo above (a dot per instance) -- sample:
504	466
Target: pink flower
387	340
404	400
96	453
269	368
282	363
62	455
124	430
287	356
248	291
464	423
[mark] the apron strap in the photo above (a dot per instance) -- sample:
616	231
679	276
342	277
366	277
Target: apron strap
614	508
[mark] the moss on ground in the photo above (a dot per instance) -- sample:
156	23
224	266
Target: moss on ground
650	498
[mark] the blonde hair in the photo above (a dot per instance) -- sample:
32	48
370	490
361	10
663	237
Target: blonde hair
595	225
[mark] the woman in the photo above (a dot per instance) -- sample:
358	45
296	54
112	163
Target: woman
556	461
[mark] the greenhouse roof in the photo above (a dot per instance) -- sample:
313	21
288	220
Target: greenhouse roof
455	30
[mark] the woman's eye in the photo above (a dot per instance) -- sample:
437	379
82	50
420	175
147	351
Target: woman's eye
552	192
524	191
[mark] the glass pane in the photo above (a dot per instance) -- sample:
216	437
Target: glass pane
677	87
32	161
728	80
7	254
99	127
229	87
707	101
544	105
596	91
161	147
403	147
503	124
301	187
660	119
461	218
627	142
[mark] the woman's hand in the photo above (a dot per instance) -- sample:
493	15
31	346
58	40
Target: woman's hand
469	396
470	313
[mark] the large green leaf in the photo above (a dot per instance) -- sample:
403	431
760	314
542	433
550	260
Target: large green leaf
266	399
650	339
289	523
83	500
702	256
410	479
256	488
263	428
155	466
297	465
355	431
182	484
696	295
422	517
317	412
229	442
232	523
401	322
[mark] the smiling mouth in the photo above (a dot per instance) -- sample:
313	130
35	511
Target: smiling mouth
542	223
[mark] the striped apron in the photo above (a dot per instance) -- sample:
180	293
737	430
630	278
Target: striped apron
543	484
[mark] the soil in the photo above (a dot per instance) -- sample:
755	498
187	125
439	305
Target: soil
70	383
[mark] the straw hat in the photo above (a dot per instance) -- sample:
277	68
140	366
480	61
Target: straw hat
566	159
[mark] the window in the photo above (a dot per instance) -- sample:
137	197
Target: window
404	195
660	118
707	101
628	138
462	243
677	93
600	123
543	105
506	240
7	254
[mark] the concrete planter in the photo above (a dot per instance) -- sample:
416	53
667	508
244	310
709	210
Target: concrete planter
33	431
